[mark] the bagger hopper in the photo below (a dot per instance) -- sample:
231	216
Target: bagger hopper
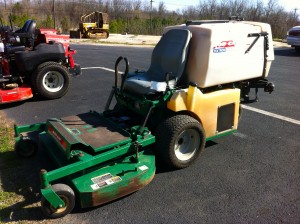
190	94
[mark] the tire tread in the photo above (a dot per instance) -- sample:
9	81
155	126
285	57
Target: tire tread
35	81
166	134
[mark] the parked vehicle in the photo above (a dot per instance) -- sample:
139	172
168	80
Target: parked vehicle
293	38
34	62
92	25
190	94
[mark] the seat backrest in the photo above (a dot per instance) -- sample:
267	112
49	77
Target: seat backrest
31	27
27	33
169	55
25	26
28	27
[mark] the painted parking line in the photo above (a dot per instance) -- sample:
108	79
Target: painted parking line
240	135
280	117
103	68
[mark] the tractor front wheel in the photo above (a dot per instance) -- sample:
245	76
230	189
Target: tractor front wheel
50	80
67	195
180	140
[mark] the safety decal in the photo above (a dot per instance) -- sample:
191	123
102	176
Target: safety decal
101	178
104	180
143	168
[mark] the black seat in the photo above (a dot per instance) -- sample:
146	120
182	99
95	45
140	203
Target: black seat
168	56
28	27
27	33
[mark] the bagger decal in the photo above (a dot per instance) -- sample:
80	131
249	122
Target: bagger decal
223	45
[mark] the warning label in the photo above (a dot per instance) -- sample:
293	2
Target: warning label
101	178
143	168
104	180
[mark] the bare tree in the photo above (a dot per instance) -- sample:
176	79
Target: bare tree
224	10
137	5
135	14
162	9
190	13
270	7
255	11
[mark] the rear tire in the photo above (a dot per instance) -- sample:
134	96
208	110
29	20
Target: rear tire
50	80
67	195
179	141
297	49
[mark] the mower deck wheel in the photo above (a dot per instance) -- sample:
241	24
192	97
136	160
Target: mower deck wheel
66	194
26	148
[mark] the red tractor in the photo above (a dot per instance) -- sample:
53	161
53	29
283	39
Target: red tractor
35	62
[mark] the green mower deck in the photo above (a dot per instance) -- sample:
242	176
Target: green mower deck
98	159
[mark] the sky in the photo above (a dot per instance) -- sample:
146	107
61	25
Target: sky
289	5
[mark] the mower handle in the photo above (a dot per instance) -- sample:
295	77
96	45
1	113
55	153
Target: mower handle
117	72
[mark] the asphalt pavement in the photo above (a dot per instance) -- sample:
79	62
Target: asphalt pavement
252	176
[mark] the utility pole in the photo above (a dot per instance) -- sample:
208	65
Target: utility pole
151	1
295	17
54	14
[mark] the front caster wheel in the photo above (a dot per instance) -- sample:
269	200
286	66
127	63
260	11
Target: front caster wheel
179	141
66	194
26	148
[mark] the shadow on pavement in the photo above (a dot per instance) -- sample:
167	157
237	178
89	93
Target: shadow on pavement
20	179
287	52
162	168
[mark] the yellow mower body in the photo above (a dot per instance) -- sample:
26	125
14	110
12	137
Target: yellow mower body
219	110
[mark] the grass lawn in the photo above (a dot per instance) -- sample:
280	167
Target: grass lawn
19	181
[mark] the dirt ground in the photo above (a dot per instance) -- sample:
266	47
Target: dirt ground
124	39
140	40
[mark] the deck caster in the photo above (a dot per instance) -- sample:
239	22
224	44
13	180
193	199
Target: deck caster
26	148
66	194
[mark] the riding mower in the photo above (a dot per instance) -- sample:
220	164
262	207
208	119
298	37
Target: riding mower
34	62
190	94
